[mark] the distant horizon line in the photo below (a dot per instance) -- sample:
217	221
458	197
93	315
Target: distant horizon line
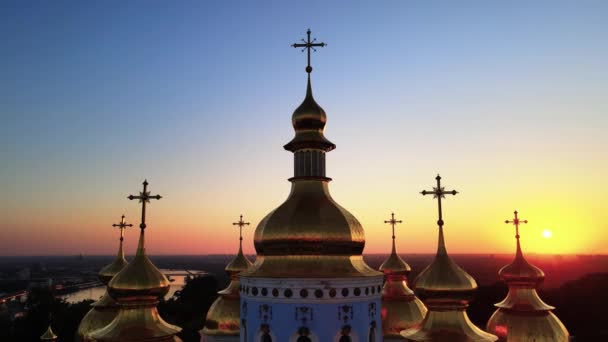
231	254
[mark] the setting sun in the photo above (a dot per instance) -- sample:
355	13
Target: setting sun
547	234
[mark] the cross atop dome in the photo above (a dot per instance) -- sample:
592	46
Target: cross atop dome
308	45
144	197
439	192
516	221
122	226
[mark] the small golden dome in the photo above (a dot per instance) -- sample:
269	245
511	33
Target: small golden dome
224	316
443	278
309	120
395	265
105	309
140	278
48	335
109	271
521	271
239	264
522	315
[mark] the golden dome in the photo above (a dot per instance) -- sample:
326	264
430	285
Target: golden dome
139	279
224	316
523	316
394	264
521	271
309	231
401	309
105	309
137	289
309	120
446	290
443	279
48	335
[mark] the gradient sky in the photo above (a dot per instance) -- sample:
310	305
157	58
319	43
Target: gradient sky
507	100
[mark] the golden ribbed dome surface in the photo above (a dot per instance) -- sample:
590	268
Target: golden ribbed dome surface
395	265
443	278
224	316
140	278
521	271
108	272
309	120
309	231
309	222
523	316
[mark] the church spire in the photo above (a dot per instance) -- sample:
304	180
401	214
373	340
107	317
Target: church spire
138	289
105	309
223	317
446	289
309	144
400	308
523	313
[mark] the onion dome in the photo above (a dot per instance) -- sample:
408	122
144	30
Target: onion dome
446	290
522	315
309	121
105	309
224	316
48	335
401	309
309	231
137	289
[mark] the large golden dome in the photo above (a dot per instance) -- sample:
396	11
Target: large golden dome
309	231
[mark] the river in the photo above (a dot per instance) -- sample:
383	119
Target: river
94	293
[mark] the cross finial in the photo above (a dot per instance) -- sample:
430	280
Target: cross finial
241	224
144	197
122	226
393	222
516	221
439	192
308	45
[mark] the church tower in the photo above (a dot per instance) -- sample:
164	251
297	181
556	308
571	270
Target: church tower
223	323
105	309
137	289
446	289
309	282
400	308
523	316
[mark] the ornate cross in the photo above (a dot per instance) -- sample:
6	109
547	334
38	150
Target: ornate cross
308	45
516	221
439	192
144	197
393	222
122	226
241	224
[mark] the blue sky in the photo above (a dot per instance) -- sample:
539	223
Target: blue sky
197	97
